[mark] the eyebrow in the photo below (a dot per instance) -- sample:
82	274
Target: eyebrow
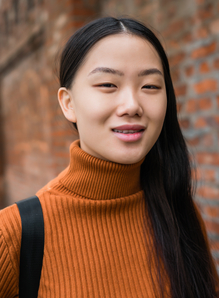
107	70
149	72
120	73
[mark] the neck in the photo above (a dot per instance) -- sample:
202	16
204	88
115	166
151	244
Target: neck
95	178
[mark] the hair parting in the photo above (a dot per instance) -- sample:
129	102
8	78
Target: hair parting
123	27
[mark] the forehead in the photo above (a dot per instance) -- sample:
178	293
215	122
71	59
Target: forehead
122	50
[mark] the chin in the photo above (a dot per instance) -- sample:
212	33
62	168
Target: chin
122	156
127	160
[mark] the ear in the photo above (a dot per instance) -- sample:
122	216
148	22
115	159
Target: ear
66	103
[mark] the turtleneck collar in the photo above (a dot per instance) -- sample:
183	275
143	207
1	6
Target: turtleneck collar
98	179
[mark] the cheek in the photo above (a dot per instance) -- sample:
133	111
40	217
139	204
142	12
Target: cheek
156	110
92	114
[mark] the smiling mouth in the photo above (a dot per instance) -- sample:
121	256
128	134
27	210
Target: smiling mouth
128	131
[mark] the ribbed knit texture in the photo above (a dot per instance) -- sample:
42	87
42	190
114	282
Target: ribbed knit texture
96	240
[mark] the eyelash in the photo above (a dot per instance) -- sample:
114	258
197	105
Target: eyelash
106	85
151	87
109	85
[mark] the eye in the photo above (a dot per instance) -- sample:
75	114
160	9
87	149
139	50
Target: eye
107	85
151	87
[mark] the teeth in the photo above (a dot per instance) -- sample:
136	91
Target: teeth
126	131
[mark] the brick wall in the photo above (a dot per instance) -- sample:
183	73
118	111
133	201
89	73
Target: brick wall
32	128
34	135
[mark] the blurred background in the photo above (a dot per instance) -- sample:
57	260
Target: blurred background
35	137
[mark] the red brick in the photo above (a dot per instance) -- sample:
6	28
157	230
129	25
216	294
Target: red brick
207	140
200	122
174	27
175	75
176	59
218	101
208	158
216	119
201	33
204	67
191	106
171	11
200	1
205	86
61	133
216	63
159	17
214	244
204	51
149	8
59	143
62	155
77	3
193	141
187	38
211	211
173	43
180	90
179	107
209	175
189	71
195	22
214	26
212	226
208	192
81	12
184	123
205	12
205	104
213	121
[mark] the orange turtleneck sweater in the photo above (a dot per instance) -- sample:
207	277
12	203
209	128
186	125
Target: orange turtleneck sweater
96	243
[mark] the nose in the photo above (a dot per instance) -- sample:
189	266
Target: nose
129	105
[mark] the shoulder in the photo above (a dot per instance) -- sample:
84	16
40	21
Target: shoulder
10	226
10	240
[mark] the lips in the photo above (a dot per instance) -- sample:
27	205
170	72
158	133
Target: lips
129	129
129	133
126	131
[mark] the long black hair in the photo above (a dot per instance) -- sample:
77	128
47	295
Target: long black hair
179	244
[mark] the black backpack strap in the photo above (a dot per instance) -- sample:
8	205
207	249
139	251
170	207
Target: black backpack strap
32	246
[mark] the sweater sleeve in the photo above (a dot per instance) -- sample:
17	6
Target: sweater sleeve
10	238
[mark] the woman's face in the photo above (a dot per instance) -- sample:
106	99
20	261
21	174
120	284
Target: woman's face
118	99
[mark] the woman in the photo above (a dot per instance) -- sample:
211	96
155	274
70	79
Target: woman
120	220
